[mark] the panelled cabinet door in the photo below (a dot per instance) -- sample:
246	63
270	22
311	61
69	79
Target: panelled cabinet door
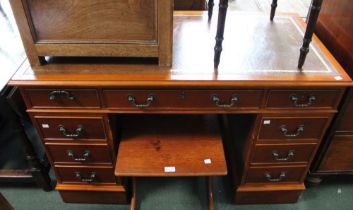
109	28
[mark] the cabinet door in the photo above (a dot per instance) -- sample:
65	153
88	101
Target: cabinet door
100	20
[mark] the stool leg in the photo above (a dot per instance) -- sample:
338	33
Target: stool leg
273	9
223	6
312	19
133	198
210	193
210	8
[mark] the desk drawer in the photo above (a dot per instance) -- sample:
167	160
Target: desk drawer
85	175
79	154
276	174
184	99
62	98
71	128
304	99
293	128
287	153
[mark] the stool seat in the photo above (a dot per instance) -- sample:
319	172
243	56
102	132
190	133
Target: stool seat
170	146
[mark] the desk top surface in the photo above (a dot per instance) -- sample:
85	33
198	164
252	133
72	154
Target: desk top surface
256	52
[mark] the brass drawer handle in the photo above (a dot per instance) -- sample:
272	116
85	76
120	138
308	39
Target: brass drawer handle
217	101
85	157
295	99
78	132
278	179
149	100
290	155
92	177
284	130
53	95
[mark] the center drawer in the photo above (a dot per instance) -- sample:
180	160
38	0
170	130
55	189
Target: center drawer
184	99
85	175
70	128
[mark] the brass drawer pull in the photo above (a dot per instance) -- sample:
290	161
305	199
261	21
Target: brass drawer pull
217	100
84	158
53	95
290	155
78	132
284	130
92	177
295	99
149	100
280	178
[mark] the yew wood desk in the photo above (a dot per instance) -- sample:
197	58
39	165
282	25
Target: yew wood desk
274	115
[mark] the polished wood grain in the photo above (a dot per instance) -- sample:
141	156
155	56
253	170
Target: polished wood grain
95	28
326	99
151	143
291	174
93	21
78	193
68	98
281	154
97	153
92	128
313	128
68	174
247	69
183	99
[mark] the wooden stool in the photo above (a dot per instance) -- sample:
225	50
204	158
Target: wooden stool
170	146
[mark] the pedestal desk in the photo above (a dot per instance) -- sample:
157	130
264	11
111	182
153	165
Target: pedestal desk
274	115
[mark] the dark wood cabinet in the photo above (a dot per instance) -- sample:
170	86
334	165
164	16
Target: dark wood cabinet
335	29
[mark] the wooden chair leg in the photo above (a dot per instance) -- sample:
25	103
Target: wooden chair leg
210	193
273	9
223	6
210	8
133	198
312	19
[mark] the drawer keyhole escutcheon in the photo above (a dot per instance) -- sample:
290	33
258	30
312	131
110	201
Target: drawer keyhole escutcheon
77	133
53	95
284	130
92	177
278	179
149	100
276	156
233	100
295	99
85	157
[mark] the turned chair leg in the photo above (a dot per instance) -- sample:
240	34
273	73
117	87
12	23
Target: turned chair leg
312	19
223	6
210	8
273	9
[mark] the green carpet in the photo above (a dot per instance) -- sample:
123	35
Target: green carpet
188	194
